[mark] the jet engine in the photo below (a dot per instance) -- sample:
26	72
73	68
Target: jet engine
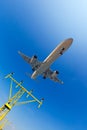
55	73
33	59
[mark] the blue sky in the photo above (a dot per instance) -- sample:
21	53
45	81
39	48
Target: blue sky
36	27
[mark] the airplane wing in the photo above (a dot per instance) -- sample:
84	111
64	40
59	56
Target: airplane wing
52	75
26	58
57	80
33	61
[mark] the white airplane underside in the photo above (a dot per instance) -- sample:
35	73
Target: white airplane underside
35	64
43	68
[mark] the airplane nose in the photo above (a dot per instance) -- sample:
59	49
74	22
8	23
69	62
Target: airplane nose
71	40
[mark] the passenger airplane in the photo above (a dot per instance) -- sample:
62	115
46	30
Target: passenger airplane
43	68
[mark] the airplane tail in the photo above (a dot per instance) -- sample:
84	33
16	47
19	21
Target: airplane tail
29	75
19	53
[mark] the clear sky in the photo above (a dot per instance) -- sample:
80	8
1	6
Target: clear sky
37	27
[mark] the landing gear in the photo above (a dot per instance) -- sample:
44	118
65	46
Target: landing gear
61	53
44	77
35	56
33	69
57	72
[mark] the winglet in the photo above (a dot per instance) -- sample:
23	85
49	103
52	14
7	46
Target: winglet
62	82
19	52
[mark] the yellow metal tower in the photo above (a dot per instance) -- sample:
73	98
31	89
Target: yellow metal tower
14	100
4	123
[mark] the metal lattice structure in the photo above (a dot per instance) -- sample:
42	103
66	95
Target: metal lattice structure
14	100
4	123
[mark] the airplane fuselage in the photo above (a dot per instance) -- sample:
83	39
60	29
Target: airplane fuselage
58	51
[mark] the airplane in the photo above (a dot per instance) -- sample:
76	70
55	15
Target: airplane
43	68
